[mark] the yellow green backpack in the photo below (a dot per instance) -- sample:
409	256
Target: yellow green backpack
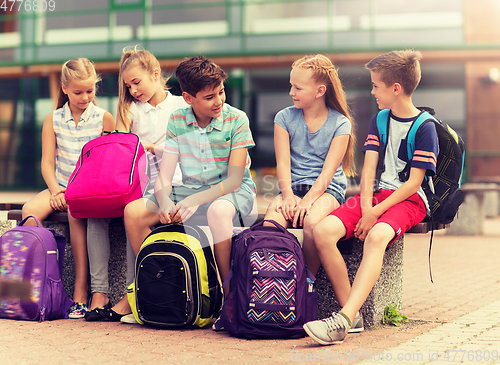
176	282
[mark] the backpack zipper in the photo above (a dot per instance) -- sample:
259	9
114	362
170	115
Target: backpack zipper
131	177
189	289
41	311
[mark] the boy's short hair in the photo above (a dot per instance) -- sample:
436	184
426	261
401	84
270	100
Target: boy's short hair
402	67
196	73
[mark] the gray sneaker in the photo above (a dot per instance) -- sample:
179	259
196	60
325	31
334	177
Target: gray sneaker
328	331
357	324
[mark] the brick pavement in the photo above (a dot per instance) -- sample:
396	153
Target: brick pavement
466	278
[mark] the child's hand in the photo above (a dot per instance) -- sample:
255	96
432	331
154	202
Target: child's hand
368	219
167	211
58	201
303	207
148	147
185	209
288	207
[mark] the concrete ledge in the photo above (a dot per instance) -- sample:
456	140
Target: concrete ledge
387	290
481	201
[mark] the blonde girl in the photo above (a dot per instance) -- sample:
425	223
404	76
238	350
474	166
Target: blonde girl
314	146
144	108
75	121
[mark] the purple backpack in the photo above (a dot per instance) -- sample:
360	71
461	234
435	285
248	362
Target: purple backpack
271	291
34	255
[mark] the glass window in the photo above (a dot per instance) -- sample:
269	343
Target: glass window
186	23
80	5
352	9
204	14
286	17
124	3
180	2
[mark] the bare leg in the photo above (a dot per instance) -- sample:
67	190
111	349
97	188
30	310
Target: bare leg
369	269
272	214
38	206
138	219
220	220
326	235
320	209
78	239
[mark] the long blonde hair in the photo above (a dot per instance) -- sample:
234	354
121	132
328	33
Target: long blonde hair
136	57
324	72
80	69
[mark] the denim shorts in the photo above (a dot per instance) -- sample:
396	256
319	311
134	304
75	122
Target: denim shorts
242	199
302	190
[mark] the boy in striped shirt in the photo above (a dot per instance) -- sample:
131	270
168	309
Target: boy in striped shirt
210	140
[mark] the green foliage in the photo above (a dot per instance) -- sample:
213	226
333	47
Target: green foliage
392	316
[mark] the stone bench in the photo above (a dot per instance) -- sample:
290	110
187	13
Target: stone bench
387	290
481	201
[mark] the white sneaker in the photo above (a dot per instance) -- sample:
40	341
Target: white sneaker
330	330
129	318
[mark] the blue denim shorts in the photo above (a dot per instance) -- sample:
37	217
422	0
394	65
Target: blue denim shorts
242	200
302	190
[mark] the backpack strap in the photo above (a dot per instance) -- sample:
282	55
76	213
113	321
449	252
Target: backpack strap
411	136
383	118
422	118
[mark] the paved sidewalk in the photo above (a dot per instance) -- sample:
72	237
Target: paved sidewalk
459	312
471	338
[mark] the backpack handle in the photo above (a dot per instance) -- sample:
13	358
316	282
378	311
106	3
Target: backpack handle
28	217
276	224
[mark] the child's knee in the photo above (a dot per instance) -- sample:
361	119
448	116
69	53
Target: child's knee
220	211
27	209
134	213
328	232
310	223
378	238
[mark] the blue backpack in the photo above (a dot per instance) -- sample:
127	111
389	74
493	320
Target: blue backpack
444	194
271	291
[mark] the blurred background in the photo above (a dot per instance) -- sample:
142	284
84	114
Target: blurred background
255	41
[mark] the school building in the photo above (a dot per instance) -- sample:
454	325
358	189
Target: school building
255	41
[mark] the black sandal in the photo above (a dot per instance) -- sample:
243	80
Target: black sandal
110	315
95	314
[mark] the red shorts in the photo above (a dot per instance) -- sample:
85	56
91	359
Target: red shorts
401	217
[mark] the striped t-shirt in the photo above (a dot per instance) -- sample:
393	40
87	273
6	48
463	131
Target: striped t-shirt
71	138
204	152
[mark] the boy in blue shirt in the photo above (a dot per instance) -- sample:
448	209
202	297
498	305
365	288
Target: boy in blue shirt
377	218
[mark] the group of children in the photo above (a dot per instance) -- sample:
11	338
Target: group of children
201	145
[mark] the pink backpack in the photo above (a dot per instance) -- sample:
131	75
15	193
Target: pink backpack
111	171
